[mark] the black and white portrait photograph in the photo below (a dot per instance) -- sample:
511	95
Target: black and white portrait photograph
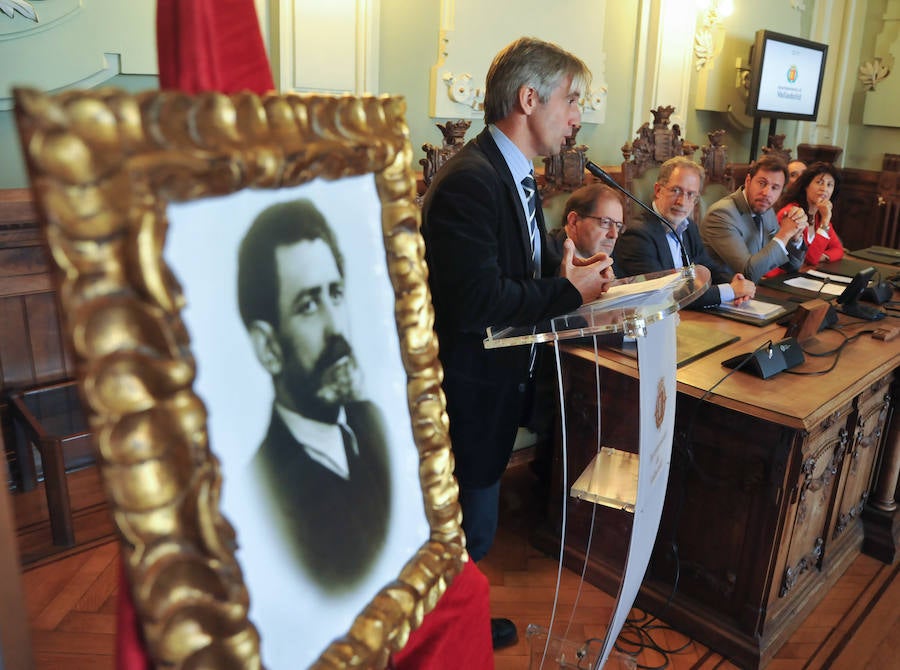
290	312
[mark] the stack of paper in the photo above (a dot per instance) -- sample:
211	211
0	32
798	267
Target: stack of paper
754	308
623	289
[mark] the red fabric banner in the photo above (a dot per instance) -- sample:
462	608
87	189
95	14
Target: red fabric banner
211	45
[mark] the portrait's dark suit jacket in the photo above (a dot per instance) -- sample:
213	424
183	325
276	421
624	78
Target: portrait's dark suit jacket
732	238
480	273
336	527
644	247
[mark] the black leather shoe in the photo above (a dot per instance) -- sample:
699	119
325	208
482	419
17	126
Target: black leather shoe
503	633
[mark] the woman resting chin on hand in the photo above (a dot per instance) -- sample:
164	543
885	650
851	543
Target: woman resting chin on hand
814	191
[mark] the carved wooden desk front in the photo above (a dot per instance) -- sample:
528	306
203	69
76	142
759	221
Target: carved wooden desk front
768	489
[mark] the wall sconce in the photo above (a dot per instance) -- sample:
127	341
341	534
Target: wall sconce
713	11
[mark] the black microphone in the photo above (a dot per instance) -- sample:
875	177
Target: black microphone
604	176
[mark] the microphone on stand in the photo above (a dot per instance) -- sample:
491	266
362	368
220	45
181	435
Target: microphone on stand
604	176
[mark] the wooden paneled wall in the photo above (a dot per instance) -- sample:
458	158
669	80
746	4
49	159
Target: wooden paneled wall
855	214
32	349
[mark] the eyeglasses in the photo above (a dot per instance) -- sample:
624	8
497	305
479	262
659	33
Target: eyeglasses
605	222
678	192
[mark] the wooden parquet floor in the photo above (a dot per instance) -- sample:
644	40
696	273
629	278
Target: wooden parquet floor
71	607
855	627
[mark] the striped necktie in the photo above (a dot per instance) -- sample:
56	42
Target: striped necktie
530	187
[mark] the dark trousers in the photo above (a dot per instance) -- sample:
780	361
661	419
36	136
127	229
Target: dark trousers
480	508
481	505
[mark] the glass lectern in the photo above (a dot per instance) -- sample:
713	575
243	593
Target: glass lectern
645	308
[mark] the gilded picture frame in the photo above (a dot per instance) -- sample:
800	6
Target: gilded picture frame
107	168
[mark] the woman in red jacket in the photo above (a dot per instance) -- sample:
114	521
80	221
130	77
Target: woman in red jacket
814	191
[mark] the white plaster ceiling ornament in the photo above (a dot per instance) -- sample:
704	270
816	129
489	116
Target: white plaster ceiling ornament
799	5
460	90
713	11
22	7
595	99
703	47
875	71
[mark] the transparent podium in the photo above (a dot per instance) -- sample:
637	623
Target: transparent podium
644	308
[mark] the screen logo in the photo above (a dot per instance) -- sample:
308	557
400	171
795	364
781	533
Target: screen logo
792	74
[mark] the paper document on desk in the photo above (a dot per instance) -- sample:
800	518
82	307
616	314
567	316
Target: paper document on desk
752	307
815	285
619	292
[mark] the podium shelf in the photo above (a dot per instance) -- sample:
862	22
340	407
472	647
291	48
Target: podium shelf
610	479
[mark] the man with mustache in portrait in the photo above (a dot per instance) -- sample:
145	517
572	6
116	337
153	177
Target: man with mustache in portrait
324	459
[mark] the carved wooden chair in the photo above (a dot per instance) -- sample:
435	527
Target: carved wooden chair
564	172
658	143
454	133
889	202
810	153
776	147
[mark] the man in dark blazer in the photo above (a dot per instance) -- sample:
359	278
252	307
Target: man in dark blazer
592	219
741	232
648	245
324	460
490	264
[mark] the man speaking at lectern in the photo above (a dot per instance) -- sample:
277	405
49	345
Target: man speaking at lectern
324	460
490	264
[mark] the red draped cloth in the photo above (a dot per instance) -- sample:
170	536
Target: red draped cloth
206	45
456	634
211	45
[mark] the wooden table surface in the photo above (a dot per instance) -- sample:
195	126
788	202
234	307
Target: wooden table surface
793	400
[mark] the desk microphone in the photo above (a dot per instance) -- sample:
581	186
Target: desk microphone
604	176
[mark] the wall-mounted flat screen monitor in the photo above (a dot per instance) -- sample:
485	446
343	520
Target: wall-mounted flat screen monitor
785	76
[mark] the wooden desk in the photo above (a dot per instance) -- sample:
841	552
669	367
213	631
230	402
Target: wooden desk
768	488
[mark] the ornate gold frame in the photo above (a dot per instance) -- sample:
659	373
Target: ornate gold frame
104	165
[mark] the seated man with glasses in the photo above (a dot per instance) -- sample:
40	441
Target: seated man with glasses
648	245
592	219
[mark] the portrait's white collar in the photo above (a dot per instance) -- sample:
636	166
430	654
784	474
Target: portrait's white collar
323	442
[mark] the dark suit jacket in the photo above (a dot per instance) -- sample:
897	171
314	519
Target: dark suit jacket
644	247
479	261
337	527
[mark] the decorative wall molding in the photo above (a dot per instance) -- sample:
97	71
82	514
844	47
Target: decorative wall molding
873	71
838	24
880	105
664	44
91	40
21	7
710	35
472	32
323	47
